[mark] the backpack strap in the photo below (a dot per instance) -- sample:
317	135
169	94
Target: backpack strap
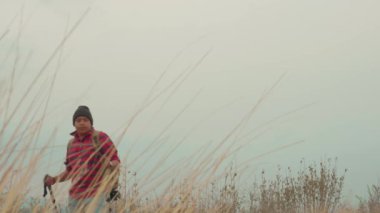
96	141
112	173
71	141
69	144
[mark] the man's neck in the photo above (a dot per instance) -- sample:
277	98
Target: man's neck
81	136
76	133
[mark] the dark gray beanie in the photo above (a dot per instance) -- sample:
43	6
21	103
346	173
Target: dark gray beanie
83	111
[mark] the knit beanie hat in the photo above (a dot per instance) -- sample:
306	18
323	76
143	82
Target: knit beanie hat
83	111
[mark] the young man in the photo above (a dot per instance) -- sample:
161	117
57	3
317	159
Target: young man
89	154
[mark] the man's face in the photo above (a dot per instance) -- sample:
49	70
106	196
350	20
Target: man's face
82	125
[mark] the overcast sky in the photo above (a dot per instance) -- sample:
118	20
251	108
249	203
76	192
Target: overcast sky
219	56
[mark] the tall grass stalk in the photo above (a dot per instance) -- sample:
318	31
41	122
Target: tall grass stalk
202	182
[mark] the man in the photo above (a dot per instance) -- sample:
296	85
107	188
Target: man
86	163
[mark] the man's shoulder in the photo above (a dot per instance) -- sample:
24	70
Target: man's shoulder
99	132
71	140
102	135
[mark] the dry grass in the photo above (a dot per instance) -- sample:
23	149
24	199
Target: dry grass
372	204
313	189
203	188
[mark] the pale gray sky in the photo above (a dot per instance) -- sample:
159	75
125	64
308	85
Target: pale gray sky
329	51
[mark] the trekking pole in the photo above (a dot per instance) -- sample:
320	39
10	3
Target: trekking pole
52	198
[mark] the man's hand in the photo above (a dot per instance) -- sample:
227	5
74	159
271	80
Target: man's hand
49	180
114	163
